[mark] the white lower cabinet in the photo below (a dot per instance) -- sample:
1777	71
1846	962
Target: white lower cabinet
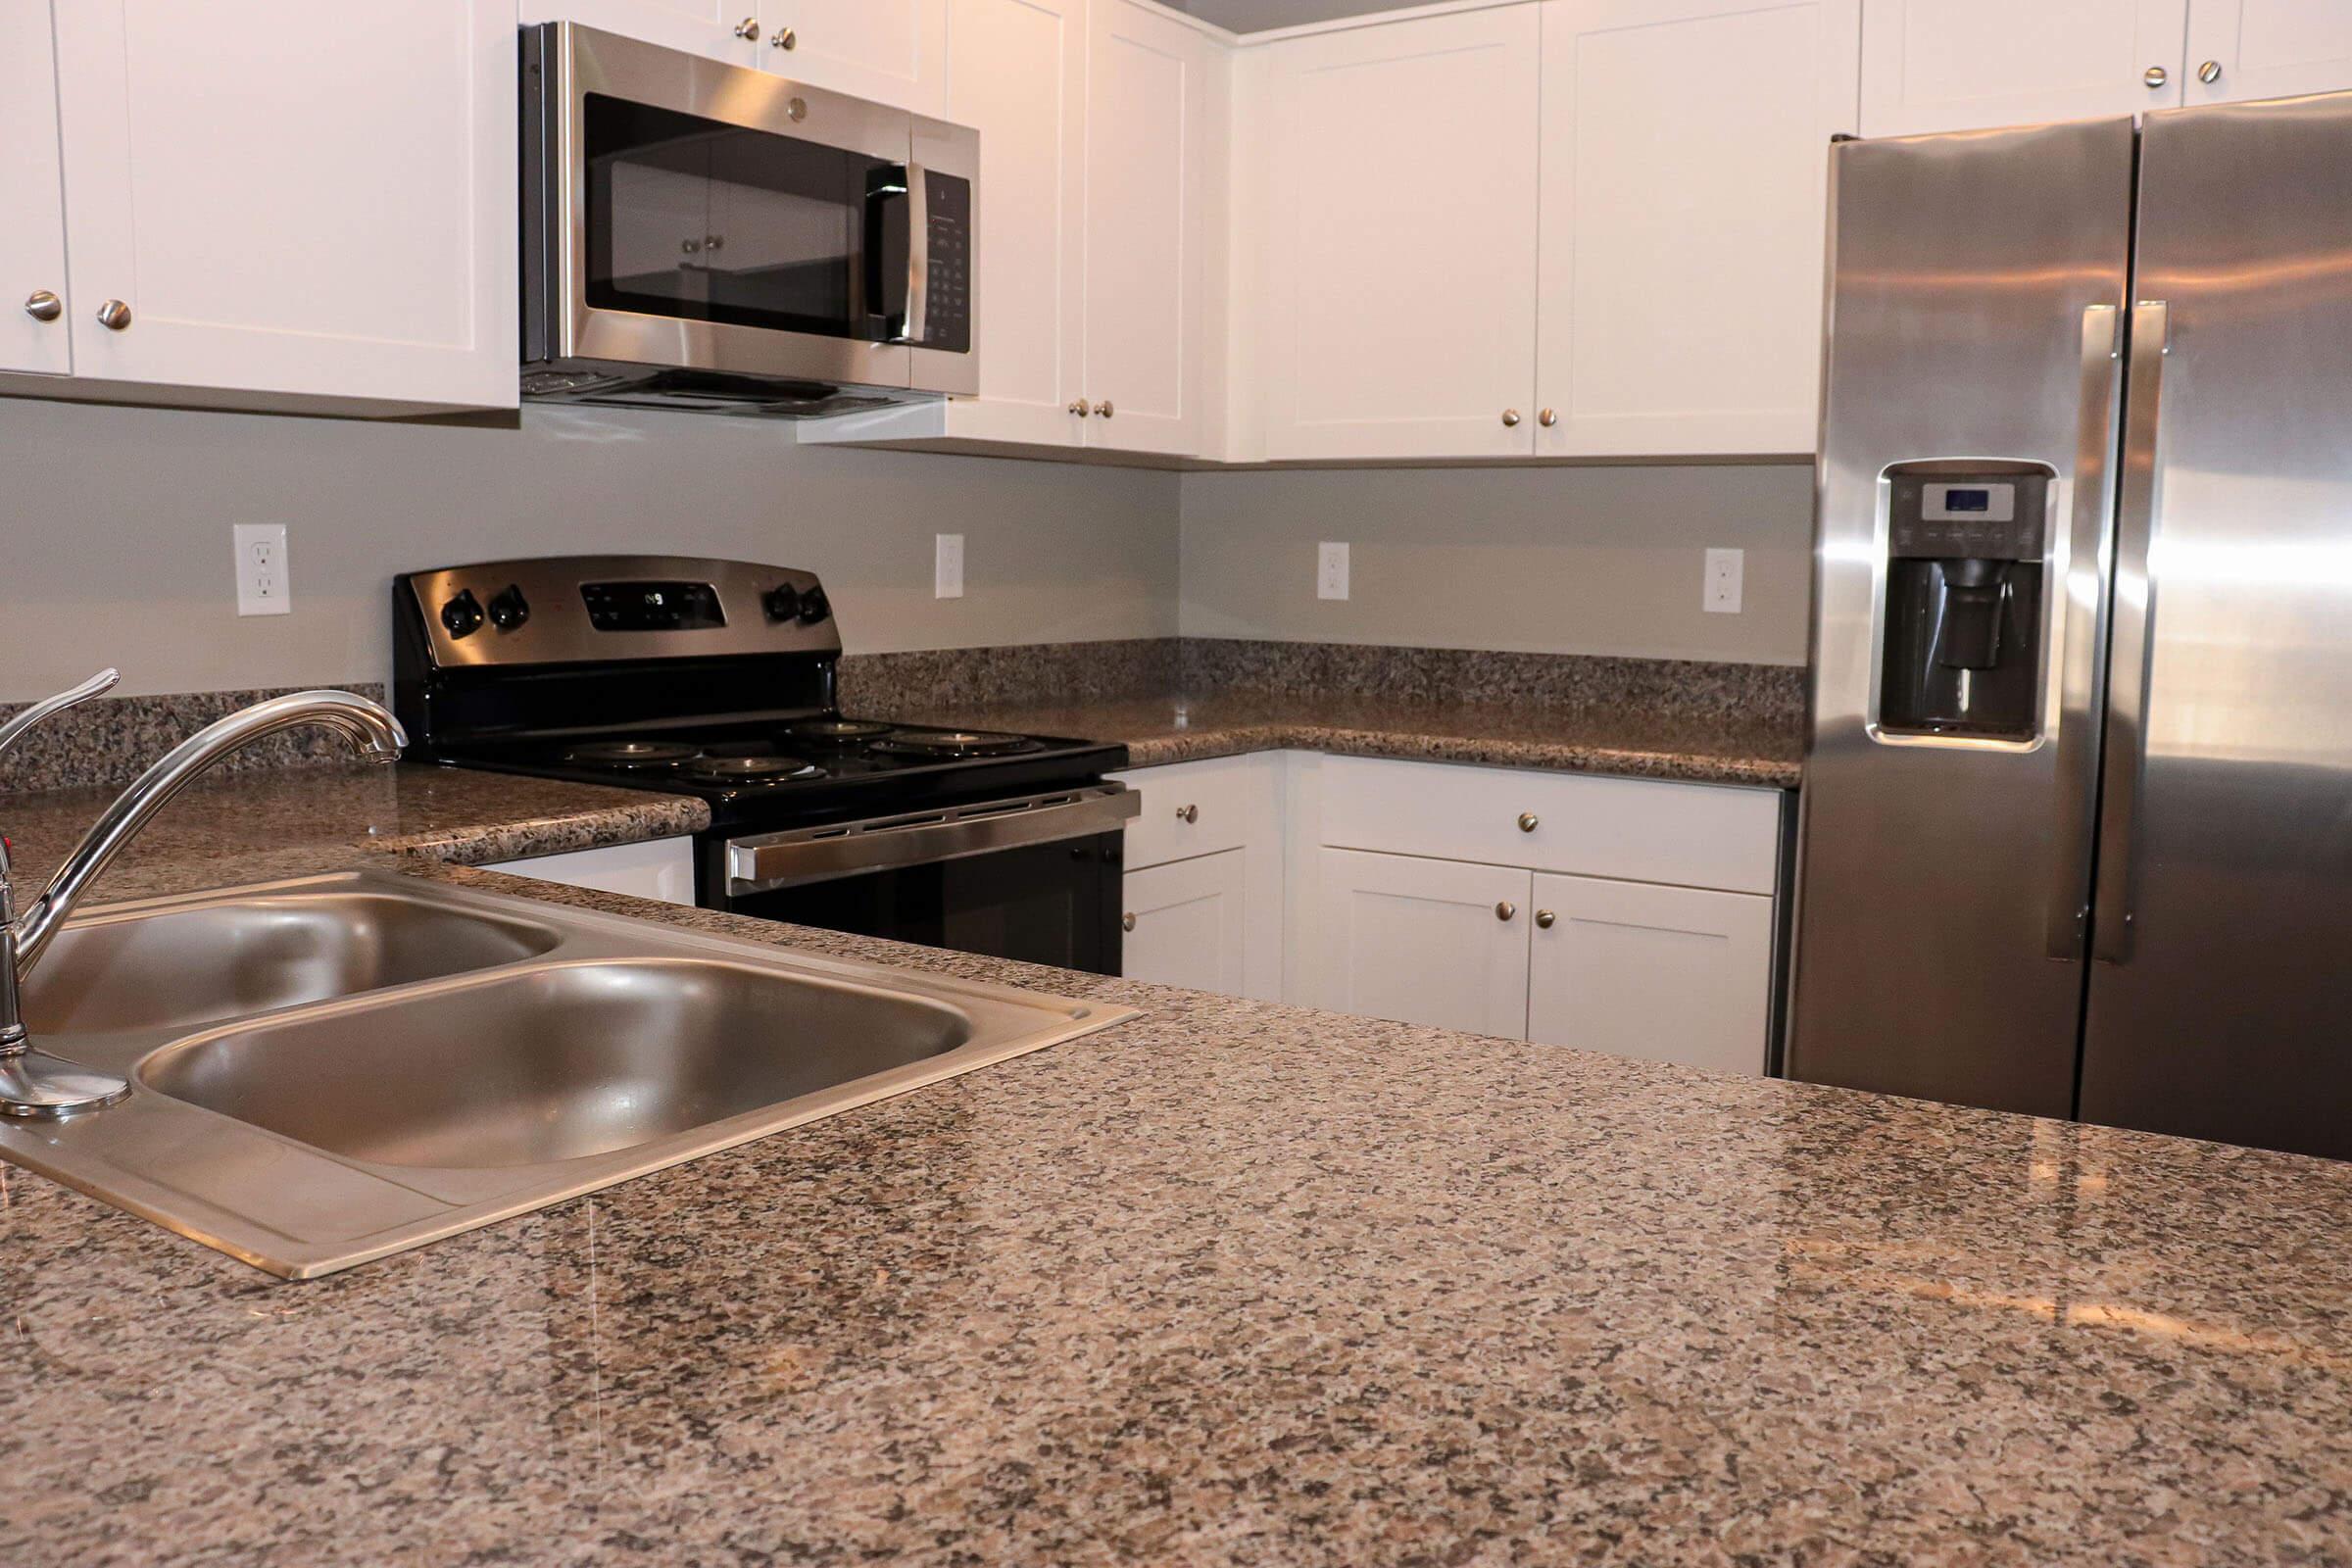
1186	923
1432	942
662	870
1666	974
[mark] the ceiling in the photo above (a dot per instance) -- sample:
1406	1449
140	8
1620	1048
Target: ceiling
1256	16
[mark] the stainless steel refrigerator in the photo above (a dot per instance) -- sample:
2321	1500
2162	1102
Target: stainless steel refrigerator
2077	818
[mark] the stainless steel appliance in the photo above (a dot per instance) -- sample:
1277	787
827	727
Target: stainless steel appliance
707	236
717	678
2077	810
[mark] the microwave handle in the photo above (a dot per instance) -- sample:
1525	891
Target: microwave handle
919	253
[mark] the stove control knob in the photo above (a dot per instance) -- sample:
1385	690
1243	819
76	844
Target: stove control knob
782	604
814	606
509	608
463	613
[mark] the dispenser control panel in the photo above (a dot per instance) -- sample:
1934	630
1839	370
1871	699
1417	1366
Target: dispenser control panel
1990	519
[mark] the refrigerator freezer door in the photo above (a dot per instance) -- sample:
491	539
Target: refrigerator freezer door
2222	1005
1977	286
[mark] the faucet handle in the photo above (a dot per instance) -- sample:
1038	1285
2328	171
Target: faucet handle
12	731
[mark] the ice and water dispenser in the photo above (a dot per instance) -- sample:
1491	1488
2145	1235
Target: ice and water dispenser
1963	624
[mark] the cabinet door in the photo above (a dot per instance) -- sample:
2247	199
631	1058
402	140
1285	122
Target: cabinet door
33	235
1666	974
1186	923
1145	105
1955	64
1016	72
892	51
716	30
1432	942
1685	168
1398	307
2266	49
287	223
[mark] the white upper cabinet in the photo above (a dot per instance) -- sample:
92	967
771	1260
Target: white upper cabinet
1017	73
1147	149
2240	49
251	221
1685	167
34	334
1955	64
728	31
892	51
1396	276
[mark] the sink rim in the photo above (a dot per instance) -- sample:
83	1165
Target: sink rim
249	1193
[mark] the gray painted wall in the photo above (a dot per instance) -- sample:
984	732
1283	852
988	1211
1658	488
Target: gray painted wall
1563	560
114	532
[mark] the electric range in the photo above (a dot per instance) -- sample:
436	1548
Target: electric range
719	679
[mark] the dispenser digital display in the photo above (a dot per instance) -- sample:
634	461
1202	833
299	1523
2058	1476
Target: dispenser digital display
1964	623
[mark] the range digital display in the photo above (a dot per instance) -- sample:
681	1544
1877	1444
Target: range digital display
652	606
1968	501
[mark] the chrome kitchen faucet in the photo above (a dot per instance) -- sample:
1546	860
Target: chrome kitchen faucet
34	1084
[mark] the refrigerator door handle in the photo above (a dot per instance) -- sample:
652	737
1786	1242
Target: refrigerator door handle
2134	615
2082	649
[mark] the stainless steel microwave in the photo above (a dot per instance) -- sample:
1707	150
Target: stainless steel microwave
707	236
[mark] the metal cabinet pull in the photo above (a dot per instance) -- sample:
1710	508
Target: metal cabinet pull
1528	821
785	38
748	29
1506	910
43	305
1510	419
2155	77
1082	407
1545	918
1103	408
2210	72
113	316
1188	813
1548	418
1127	921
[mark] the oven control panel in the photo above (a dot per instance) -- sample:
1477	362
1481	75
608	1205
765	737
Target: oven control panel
579	608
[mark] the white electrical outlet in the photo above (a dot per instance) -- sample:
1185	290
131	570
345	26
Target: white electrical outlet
947	568
264	585
1725	568
1331	570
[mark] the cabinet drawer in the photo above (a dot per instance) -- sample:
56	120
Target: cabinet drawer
1198	807
1637	830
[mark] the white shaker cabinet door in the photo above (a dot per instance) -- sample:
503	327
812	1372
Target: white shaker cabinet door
1396	298
1685	170
35	333
1666	974
1186	923
2239	49
1961	65
716	30
261	213
1432	942
890	51
1017	73
1147	150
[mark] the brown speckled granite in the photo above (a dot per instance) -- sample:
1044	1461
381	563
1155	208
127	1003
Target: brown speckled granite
889	683
1238	1284
111	740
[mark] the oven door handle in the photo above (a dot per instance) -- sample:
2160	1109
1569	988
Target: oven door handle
767	861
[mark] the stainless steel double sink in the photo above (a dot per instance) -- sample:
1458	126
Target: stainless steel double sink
328	1071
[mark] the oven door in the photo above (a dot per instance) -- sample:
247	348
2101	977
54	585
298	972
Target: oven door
694	216
1036	878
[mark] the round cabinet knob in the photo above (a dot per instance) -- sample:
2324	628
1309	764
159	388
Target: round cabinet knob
1188	813
113	316
1548	418
1506	910
1082	407
1528	821
43	305
1545	918
1127	922
2210	72
748	29
1103	408
785	38
2155	77
1510	419
461	614
509	608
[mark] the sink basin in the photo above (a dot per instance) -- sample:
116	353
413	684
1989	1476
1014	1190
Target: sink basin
234	956
330	1071
555	1063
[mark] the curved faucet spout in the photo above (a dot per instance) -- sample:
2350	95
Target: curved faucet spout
373	733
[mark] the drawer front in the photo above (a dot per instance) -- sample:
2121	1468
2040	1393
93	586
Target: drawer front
1637	830
1198	807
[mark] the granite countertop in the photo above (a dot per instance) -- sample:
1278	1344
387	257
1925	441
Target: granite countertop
1233	1283
1721	747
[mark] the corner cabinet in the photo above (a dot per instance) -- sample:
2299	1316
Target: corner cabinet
251	223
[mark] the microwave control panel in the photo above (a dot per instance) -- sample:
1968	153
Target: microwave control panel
948	297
